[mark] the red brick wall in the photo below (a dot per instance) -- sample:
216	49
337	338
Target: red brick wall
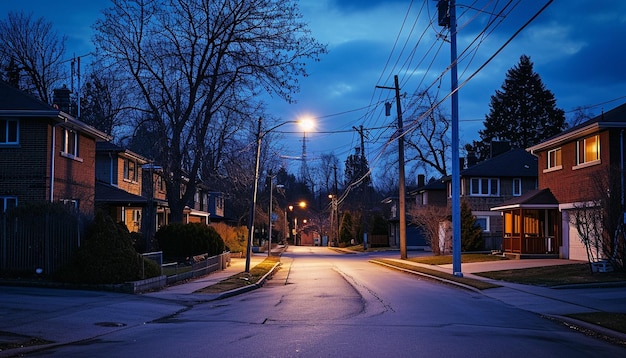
570	185
76	179
24	169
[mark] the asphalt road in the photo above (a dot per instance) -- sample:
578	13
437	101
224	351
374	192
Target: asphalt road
319	304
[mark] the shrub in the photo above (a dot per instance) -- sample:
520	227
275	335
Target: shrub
471	232
106	256
235	238
181	241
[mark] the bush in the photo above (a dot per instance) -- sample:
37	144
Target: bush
235	238
471	232
106	256
182	241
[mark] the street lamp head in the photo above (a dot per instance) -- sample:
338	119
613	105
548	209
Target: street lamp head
307	124
302	204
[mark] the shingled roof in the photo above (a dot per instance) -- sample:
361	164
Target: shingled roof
514	163
534	199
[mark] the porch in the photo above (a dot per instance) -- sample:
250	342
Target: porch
531	226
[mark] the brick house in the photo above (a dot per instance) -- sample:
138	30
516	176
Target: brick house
492	182
572	166
45	154
119	184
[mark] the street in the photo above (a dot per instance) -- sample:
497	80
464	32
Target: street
320	304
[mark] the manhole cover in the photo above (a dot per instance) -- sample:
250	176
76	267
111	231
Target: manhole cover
110	324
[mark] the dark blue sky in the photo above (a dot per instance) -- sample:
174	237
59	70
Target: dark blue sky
577	48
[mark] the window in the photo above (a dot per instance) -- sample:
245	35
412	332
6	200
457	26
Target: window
136	216
70	143
9	131
484	187
7	203
588	150
70	203
130	170
483	221
517	186
554	158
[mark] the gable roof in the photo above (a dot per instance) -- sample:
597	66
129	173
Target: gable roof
17	103
614	118
109	147
514	163
534	199
109	194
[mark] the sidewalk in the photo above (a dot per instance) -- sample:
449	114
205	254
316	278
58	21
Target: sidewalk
185	291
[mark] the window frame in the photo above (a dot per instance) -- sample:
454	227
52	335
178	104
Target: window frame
4	200
582	150
70	147
6	132
128	169
517	186
557	162
478	190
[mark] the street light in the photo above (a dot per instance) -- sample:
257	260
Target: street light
259	138
302	205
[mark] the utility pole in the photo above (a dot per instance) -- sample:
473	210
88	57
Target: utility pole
401	185
447	17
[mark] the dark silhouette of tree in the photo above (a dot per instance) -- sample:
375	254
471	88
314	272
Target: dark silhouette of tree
33	52
523	112
357	170
426	142
190	59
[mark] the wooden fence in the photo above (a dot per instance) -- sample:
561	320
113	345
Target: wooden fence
37	241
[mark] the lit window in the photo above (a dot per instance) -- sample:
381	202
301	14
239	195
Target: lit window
9	131
588	150
484	187
517	186
70	142
554	158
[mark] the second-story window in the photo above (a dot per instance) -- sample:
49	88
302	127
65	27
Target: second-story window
517	186
588	150
554	158
484	187
9	131
130	170
70	142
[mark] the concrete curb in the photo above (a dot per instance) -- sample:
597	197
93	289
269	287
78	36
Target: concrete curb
249	288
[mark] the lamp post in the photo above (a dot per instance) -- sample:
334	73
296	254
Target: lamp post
259	138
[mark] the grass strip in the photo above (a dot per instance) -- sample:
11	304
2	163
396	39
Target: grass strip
478	284
447	259
242	279
557	275
615	321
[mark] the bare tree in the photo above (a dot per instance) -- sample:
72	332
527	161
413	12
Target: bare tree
32	53
598	220
427	139
432	219
188	58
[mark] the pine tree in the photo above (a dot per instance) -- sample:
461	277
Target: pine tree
471	232
523	112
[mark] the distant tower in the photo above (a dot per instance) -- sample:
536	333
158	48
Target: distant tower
304	168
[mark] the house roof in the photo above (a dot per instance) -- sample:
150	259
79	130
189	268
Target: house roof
433	185
614	118
514	163
534	199
16	103
108	194
113	148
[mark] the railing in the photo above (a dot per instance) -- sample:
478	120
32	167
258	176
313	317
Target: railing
200	265
530	244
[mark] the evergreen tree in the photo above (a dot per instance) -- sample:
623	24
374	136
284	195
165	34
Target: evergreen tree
357	169
345	229
471	232
523	112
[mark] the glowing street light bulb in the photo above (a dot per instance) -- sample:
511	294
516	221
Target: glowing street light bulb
306	124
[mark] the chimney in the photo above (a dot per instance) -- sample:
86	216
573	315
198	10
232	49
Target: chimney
421	180
499	147
61	99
